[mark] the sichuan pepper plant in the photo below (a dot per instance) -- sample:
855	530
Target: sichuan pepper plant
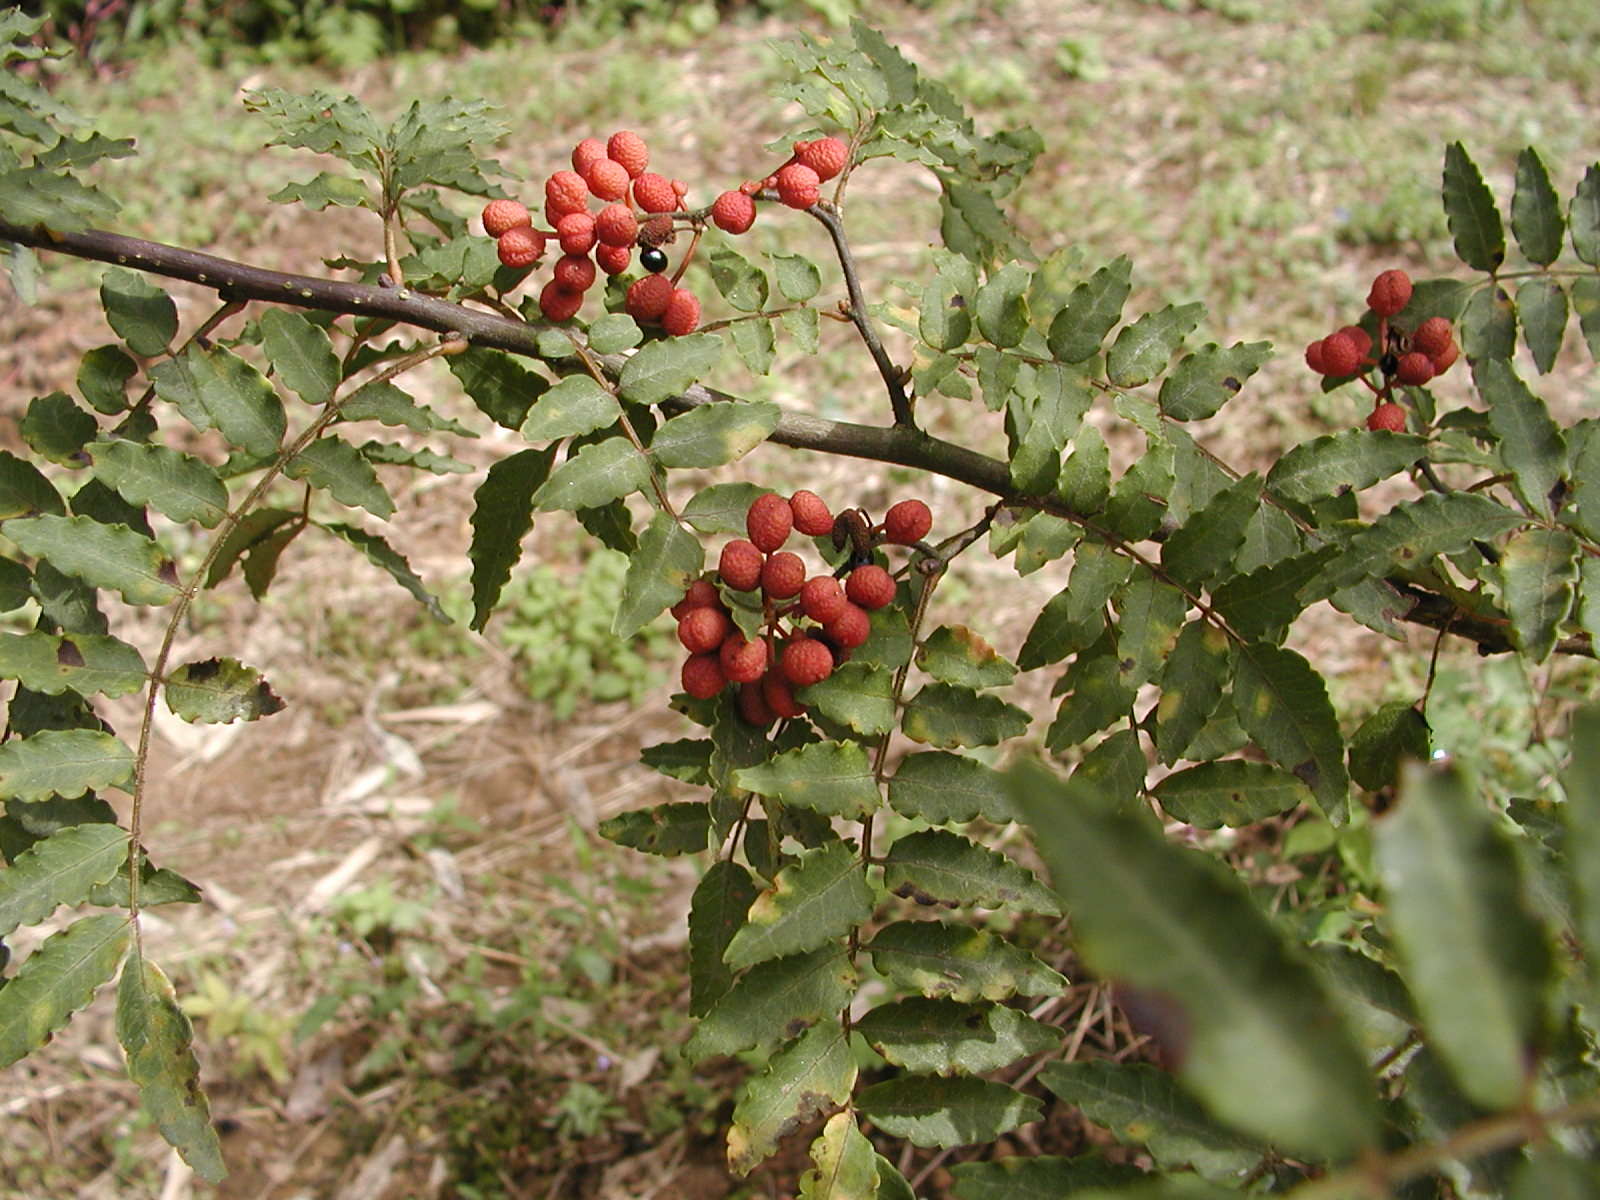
858	932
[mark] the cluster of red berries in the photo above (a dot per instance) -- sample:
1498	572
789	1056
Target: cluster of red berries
826	619
1410	357
798	184
636	208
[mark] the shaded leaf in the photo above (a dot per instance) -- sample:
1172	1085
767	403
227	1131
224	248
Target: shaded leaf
859	694
57	429
1586	303
1191	687
710	435
721	508
935	1111
1536	218
60	869
756	343
1143	349
333	464
831	778
1283	704
942	320
1581	817
1001	306
660	569
1150	613
143	315
1229	792
1204	546
774	1001
1531	443
935	866
217	388
103	376
1542	310
946	788
25	490
1093	696
1093	309
175	484
1538	572
944	1037
954	654
797	277
386	558
1353	460
1386	739
597	474
821	896
301	355
1207	379
664	368
501	387
1076	616
501	517
1583	217
1470	210
1042	1177
103	556
814	1073
388	404
58	979
1085	482
721	900
666	829
955	962
947	716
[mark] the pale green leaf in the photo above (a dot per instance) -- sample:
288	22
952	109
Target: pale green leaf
1354	460
954	654
710	435
1538	573
1229	792
946	716
831	778
814	1073
60	869
65	762
597	474
390	405
1001	306
1204	381
175	484
103	556
820	896
219	691
660	569
935	1111
665	368
217	388
798	278
721	508
86	663
956	962
573	407
859	694
741	282
301	355
335	465
1143	349
58	979
846	1166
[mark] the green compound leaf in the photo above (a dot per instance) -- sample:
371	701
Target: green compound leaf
103	556
814	1073
1143	1105
831	778
1538	574
1488	326
1260	1044
24	490
846	1164
943	321
934	1111
742	283
665	368
774	1001
1092	311
103	378
1191	687
1530	442
86	663
1282	703
797	277
954	654
666	829
65	762
220	690
158	1041
1150	613
944	1037
1204	381
945	789
1393	734
716	913
1205	545
1001	306
301	355
1583	217
687	760
143	315
667	558
710	435
1143	349
821	896
334	465
1536	218
947	716
501	387
58	979
955	962
575	406
1354	460
175	484
1478	957
1470	210
597	474
1229	792
390	405
501	518
1076	616
55	428
721	508
217	388
756	343
936	866
63	868
1542	311
1045	1177
389	560
859	694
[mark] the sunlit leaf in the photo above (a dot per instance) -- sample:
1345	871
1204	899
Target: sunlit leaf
103	556
859	694
85	663
1536	218
220	690
815	1072
1150	613
662	369
659	570
301	355
1354	459
175	484
954	654
946	716
1143	349
573	407
935	866
217	388
721	901
817	898
1204	381
710	435
945	1037
597	474
832	778
774	1001
58	979
846	1166
1092	311
1229	792
955	962
60	869
1001	306
1469	208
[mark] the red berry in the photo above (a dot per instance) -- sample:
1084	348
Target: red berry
826	156
740	565
648	297
501	215
586	152
575	272
521	246
680	189
822	599
1361	338
1414	369
870	586
613	260
575	232
783	575
805	661
627	148
653	193
769	521
565	192
743	660
1314	358
753	706
733	212
1391	292
608	180
558	303
850	628
906	522
1340	355
702	630
775	691
1433	337
702	593
702	676
1387	416
682	314
1444	360
798	186
811	515
615	225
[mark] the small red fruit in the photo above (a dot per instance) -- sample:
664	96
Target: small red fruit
1387	416
682	314
733	212
811	515
585	152
1340	355
1414	369
826	156
501	215
743	660
1361	338
870	586
805	661
775	691
653	193
753	706
769	521
566	192
647	298
1391	292
702	630
613	260
1314	358
702	593
1444	360
558	303
608	180
702	676
575	232
740	565
520	246
850	628
783	575
575	272
906	522
615	225
628	149
798	186
1433	336
822	599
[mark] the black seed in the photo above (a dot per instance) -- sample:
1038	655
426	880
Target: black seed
653	259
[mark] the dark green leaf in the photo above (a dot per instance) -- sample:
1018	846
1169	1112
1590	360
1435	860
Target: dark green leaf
175	484
394	454
501	518
1092	311
717	912
1205	545
597	474
220	690
859	694
1586	303
1143	349
60	869
832	778
956	962
1542	309
1085	482
944	1037
933	1111
1583	217
668	557
389	404
1230	792
946	716
386	558
103	378
1397	732
954	654
323	189
1150	613
814	1073
721	508
85	663
24	490
662	369
1283	704
1093	696
1550	1173
57	429
1538	573
218	388
499	385
58	979
1335	462
666	829
936	866
301	355
1536	218
821	896
775	1001
1191	687
103	556
143	315
1001	306
1469	208
1076	615
333	464
1488	326
1530	442
710	435
687	759
1040	1177
261	531
946	788
575	406
1207	379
